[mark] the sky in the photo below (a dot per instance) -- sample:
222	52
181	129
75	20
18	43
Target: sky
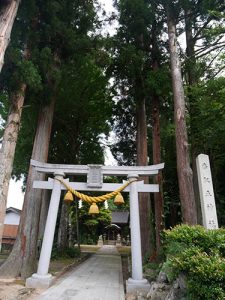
108	5
15	195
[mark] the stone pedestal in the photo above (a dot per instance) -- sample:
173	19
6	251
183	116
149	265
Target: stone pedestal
118	240
100	241
133	285
39	281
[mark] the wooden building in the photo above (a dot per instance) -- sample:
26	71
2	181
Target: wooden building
11	224
119	225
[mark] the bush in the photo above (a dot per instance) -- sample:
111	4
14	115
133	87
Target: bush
185	236
72	252
88	239
68	252
200	255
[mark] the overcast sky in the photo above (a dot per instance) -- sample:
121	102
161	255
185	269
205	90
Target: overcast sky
15	195
108	5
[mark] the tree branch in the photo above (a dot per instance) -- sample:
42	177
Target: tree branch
219	70
216	43
213	59
202	28
210	50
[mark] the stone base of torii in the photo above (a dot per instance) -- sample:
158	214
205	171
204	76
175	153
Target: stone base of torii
95	175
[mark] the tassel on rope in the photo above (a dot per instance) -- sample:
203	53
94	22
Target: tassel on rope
118	200
93	209
68	198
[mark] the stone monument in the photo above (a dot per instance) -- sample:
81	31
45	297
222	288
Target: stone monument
208	205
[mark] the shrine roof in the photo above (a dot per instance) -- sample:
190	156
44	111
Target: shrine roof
13	209
120	217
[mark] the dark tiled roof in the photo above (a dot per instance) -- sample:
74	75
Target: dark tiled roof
13	209
120	217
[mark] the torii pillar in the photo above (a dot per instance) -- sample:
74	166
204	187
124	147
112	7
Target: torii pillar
137	281
42	279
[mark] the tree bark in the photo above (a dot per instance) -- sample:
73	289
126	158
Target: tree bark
63	240
191	81
142	160
7	152
156	146
188	207
7	16
158	197
22	259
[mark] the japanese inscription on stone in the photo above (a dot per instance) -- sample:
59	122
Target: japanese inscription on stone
207	198
94	176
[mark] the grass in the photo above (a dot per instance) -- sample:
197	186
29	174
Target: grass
124	250
151	270
19	281
60	265
4	255
89	248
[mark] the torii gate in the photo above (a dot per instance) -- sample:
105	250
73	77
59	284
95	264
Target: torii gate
95	175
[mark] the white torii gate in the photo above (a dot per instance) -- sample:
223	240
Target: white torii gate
95	175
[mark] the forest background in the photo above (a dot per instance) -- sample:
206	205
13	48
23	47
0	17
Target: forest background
67	85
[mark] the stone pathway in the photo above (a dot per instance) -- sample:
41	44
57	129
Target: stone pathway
98	278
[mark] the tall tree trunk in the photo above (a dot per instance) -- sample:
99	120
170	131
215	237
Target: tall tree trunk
191	81
22	259
7	16
7	151
158	197
142	160
156	146
63	241
184	171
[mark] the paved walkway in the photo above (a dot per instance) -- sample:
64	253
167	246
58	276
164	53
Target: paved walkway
98	278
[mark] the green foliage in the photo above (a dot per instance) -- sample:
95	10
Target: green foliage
208	132
200	255
68	60
198	236
80	122
29	74
132	69
91	226
159	81
4	108
18	70
67	63
151	270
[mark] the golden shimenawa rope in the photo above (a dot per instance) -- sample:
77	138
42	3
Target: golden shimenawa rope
90	199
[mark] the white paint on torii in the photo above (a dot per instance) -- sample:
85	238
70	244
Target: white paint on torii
95	175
